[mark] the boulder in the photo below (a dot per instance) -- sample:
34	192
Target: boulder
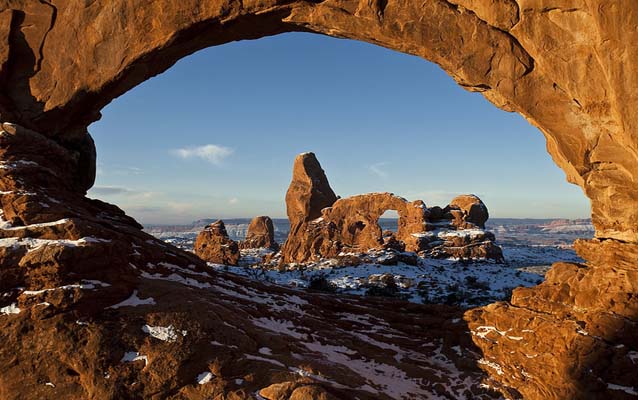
261	234
473	211
213	245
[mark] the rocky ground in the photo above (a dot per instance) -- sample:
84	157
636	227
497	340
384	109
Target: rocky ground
382	272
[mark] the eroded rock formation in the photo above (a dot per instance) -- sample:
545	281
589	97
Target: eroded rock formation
567	67
261	234
93	307
352	224
473	211
213	245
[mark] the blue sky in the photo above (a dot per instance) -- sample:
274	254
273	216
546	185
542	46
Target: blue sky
215	135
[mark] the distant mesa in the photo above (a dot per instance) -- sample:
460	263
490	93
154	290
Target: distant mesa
213	245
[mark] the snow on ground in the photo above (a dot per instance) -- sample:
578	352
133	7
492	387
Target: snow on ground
133	356
134	301
35	244
10	309
205	377
165	333
467	284
85	284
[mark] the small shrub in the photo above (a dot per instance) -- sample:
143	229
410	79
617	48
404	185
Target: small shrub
507	293
321	284
472	282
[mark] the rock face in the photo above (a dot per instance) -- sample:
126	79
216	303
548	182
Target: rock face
309	191
473	211
351	225
261	233
213	245
568	69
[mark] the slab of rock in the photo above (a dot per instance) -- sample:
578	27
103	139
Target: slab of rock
261	234
213	245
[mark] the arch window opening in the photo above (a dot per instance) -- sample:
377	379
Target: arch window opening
221	146
389	223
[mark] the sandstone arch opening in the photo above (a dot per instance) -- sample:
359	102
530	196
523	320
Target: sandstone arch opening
389	222
468	287
52	86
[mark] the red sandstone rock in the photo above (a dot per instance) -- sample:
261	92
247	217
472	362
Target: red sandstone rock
261	233
352	224
569	70
309	191
213	245
474	211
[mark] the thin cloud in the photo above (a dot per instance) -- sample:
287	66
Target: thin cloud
233	201
119	191
119	170
109	190
211	153
378	169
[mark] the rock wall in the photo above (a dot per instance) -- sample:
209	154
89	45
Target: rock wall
568	67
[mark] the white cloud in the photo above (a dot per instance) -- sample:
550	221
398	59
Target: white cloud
378	169
233	201
212	153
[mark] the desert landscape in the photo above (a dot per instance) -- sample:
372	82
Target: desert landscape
334	301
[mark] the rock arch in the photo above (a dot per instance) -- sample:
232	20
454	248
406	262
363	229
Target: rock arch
365	210
569	71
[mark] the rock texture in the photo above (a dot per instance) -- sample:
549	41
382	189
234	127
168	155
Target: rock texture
94	308
213	245
473	211
261	233
351	225
567	67
563	68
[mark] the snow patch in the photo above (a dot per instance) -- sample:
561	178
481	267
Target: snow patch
496	367
84	285
133	356
268	360
165	333
204	377
134	301
279	326
626	389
